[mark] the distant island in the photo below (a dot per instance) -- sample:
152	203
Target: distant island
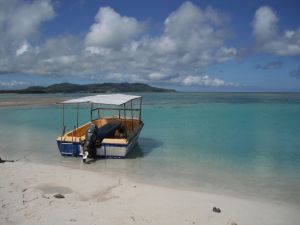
88	88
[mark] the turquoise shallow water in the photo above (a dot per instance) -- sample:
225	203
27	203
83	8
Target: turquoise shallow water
240	143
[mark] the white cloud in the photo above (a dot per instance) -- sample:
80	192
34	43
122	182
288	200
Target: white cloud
19	26
157	76
112	30
21	19
12	84
268	36
24	48
115	50
264	24
193	80
203	81
194	35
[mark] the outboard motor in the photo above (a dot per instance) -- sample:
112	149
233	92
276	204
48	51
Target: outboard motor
89	146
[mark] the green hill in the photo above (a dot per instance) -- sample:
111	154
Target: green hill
89	88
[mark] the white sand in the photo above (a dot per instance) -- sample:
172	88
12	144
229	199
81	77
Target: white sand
27	189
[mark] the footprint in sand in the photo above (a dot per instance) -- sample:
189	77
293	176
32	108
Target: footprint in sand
100	196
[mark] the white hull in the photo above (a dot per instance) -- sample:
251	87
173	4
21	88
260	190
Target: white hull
116	150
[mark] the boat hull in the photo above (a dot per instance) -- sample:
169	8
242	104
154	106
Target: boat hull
109	148
69	148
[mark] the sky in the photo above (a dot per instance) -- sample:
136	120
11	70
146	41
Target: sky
197	45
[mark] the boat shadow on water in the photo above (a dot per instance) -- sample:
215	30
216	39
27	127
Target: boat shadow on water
144	147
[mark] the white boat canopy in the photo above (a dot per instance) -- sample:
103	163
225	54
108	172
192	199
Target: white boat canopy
110	99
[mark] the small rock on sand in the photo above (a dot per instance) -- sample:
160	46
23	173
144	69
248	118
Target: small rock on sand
216	210
59	196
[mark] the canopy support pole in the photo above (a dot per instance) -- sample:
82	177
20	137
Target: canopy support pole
125	119
91	111
141	109
131	116
77	114
63	119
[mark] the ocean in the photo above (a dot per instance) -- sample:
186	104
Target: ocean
233	143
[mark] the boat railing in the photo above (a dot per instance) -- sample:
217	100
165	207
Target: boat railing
115	109
127	112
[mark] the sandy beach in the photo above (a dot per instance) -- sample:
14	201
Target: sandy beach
27	197
28	100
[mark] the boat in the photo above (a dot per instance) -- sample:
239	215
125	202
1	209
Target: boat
112	131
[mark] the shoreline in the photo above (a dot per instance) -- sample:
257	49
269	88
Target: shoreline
27	197
37	103
29	102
